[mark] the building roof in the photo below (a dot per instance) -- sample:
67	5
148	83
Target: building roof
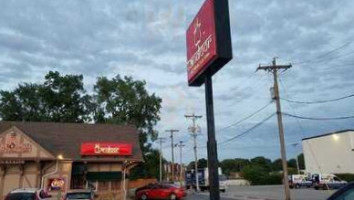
66	138
327	134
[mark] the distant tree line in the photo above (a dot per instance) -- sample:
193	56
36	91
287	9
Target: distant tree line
258	170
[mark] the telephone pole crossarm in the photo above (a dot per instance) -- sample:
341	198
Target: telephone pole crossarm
272	67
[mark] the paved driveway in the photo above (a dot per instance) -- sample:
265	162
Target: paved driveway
272	193
202	196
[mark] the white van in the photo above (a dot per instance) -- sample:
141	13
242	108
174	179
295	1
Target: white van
327	181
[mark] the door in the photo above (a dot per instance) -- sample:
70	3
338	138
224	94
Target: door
153	192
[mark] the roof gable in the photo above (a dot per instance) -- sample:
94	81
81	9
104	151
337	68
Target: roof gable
66	138
15	144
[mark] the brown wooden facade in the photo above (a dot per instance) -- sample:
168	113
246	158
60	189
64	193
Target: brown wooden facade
26	163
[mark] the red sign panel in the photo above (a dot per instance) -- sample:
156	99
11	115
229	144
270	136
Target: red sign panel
201	41
106	149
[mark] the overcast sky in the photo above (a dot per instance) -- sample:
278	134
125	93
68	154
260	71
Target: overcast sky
146	40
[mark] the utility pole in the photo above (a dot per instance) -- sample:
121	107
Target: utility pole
161	141
180	145
274	69
296	158
194	130
172	131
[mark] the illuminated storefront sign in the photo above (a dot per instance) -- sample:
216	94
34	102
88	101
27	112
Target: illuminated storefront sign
106	149
56	184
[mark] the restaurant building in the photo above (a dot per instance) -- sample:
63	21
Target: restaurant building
63	156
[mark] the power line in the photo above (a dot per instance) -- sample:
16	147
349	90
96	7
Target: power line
247	117
318	118
248	130
302	130
319	101
325	54
245	132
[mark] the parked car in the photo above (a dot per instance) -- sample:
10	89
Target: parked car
299	180
327	181
28	194
345	193
160	191
79	194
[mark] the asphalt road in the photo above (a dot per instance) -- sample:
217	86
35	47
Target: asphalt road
265	193
202	196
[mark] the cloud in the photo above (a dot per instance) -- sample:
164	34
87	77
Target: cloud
146	40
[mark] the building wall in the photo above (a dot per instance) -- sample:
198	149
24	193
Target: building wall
330	154
62	171
20	166
30	177
104	167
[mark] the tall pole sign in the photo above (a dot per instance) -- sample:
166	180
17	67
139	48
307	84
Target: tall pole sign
208	50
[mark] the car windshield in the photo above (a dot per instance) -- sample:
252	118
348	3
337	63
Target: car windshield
21	196
79	195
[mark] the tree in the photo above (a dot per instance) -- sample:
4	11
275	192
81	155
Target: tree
292	163
147	169
277	165
301	161
58	99
255	174
62	98
202	163
262	162
258	175
233	165
126	101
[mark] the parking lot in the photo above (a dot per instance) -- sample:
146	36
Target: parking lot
266	193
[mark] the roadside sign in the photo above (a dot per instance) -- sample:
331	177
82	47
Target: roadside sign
208	41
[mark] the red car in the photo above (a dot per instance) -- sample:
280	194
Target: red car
160	191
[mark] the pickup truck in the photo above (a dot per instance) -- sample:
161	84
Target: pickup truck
327	181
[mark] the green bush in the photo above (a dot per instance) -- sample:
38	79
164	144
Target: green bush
346	177
258	175
274	179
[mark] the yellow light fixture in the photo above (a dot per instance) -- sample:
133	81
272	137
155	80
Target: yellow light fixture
60	157
335	137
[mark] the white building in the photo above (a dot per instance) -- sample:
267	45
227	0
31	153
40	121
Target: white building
331	153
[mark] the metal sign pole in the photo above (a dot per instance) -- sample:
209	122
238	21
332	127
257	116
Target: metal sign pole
212	146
